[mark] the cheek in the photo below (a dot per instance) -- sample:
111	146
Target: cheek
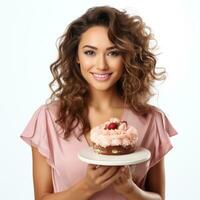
86	64
85	68
117	62
119	66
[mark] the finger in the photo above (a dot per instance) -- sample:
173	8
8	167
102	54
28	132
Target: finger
123	168
97	170
107	174
120	179
123	177
112	179
129	172
101	170
117	182
91	166
126	172
94	167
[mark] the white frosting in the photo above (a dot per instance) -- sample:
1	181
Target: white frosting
125	134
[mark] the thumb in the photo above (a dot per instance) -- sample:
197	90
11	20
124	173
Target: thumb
92	167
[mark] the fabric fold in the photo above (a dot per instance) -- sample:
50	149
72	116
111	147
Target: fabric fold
38	134
163	130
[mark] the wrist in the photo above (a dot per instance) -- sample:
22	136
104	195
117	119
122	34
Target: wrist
86	189
132	192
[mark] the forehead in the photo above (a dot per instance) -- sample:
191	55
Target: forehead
96	36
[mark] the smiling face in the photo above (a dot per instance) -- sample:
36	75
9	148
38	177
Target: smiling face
101	63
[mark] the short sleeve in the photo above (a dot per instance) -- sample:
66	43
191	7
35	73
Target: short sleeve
38	134
162	130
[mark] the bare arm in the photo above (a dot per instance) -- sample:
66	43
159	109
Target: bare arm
155	185
95	180
156	179
43	187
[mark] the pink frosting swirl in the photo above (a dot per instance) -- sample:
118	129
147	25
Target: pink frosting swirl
124	134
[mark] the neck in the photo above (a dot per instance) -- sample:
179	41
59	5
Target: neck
105	100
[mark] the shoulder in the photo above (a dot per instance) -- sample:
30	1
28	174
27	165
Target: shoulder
155	112
162	122
53	108
47	110
154	117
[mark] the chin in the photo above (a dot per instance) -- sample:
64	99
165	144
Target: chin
102	88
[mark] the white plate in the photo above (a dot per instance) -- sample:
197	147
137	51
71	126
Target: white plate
89	156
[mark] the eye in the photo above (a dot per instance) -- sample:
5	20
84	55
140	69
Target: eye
89	52
114	53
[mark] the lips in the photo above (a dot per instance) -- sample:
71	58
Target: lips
101	77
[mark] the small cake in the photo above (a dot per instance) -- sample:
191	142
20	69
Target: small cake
114	137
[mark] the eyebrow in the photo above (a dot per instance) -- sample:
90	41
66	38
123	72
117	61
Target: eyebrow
92	47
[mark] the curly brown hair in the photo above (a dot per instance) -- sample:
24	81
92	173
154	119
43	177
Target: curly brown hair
132	37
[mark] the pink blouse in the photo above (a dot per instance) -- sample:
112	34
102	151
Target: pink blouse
42	132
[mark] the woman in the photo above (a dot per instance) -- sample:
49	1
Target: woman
105	69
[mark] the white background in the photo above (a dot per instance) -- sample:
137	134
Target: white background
28	32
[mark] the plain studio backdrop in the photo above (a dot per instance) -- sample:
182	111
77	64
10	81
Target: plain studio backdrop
29	29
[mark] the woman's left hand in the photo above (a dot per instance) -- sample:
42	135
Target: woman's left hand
124	184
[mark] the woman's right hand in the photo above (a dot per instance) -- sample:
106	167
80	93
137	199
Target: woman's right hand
99	177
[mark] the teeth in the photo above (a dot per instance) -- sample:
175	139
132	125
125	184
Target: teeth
101	75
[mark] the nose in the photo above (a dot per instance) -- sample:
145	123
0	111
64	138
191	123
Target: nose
101	63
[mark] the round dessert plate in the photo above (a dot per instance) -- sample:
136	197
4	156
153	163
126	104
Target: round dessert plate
89	156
